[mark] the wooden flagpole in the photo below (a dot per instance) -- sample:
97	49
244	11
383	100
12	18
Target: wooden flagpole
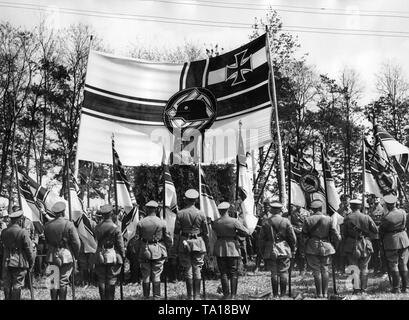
164	218
334	282
273	98
363	172
121	282
67	175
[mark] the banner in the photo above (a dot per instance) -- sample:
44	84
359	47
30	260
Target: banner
127	97
245	187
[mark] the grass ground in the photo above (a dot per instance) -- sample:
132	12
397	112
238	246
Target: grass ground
250	284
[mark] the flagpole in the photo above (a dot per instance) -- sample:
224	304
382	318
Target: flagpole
121	289
289	213
67	172
273	100
334	283
18	185
164	218
200	206
262	166
363	172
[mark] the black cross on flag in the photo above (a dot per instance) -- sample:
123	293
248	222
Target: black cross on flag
237	70
238	79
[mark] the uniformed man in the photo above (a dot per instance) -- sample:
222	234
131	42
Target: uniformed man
395	241
344	207
3	226
34	236
85	263
297	219
17	256
227	249
191	240
110	253
376	212
278	243
321	237
63	244
154	241
356	231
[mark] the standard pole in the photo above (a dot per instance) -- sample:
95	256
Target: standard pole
273	98
114	168
164	217
334	281
363	172
289	213
67	168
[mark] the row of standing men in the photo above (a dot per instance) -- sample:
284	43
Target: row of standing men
321	236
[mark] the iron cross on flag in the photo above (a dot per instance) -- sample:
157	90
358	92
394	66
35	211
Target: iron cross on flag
237	70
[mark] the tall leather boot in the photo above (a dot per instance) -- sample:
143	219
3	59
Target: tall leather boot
233	286
54	294
225	286
274	285
283	284
15	294
146	287
110	292
318	283
404	277
395	281
62	293
7	294
101	289
189	288
156	290
364	282
324	282
196	289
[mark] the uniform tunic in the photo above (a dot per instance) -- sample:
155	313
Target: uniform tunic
191	238
320	236
395	239
16	240
108	235
54	231
153	240
356	231
227	247
277	241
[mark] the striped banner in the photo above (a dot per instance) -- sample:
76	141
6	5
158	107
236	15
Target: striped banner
127	97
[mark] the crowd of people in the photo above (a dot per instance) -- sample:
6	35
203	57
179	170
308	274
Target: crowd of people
366	234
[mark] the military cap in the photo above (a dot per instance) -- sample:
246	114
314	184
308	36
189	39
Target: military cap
390	198
355	201
345	196
223	206
59	206
106	208
192	194
316	204
152	204
276	204
406	127
16	214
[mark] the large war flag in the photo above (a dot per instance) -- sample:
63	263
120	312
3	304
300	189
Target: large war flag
127	97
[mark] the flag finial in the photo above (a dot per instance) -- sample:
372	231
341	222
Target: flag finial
240	124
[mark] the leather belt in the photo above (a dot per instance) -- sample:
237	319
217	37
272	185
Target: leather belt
396	231
150	241
191	235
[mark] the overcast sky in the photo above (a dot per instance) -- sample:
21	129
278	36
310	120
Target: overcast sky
328	52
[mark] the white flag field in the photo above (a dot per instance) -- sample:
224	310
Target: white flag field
127	97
